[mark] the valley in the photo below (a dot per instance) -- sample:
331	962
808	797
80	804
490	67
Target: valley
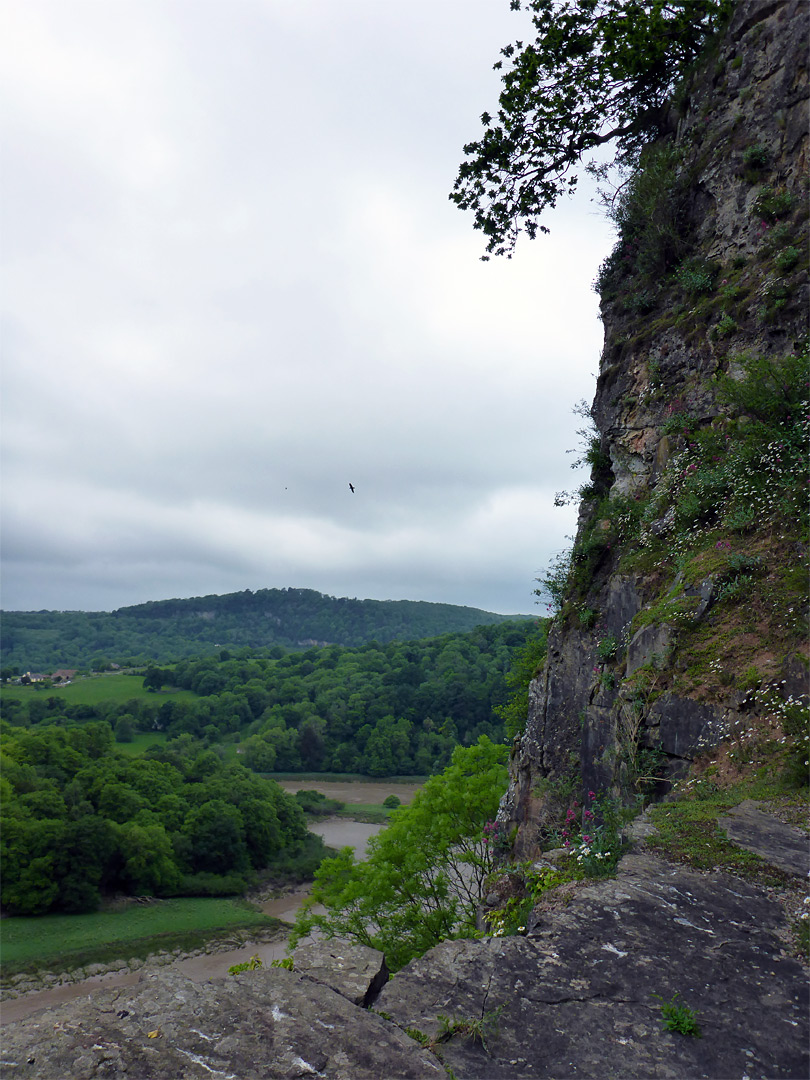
218	954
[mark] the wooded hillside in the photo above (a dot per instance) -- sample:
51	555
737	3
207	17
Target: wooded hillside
381	710
166	630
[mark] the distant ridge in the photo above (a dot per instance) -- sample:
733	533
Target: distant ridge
165	630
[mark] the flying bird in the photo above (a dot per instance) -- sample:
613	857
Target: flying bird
351	486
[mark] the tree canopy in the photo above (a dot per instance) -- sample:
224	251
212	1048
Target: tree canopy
425	873
383	710
80	819
598	71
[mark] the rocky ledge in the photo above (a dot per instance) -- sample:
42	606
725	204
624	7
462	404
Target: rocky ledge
580	995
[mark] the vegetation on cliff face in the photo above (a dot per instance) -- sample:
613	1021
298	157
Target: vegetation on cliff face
723	527
598	71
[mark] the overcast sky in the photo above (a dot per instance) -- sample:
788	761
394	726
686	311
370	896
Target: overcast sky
234	283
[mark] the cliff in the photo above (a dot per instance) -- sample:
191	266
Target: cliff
681	639
683	604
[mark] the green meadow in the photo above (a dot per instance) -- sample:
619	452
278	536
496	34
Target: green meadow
69	941
141	742
93	689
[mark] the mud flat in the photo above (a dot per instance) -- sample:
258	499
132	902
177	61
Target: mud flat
353	791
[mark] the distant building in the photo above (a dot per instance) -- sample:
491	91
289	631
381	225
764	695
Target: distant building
63	675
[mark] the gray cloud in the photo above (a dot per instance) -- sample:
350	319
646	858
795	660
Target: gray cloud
235	283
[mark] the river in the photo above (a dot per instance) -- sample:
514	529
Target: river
336	832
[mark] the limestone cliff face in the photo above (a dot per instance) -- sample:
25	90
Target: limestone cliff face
711	266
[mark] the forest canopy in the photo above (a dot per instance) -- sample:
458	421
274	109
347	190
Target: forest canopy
380	710
80	818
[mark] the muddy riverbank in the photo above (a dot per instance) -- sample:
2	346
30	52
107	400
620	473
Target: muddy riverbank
353	791
33	993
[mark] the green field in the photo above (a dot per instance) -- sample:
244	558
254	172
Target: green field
66	941
141	742
93	689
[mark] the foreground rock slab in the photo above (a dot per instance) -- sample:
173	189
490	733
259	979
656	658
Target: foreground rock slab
581	995
779	844
355	971
254	1026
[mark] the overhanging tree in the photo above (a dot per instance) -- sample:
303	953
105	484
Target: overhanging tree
598	71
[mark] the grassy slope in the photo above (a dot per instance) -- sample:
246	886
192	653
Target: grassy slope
141	742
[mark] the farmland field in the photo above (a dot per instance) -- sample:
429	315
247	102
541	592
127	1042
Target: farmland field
65	940
141	742
93	689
